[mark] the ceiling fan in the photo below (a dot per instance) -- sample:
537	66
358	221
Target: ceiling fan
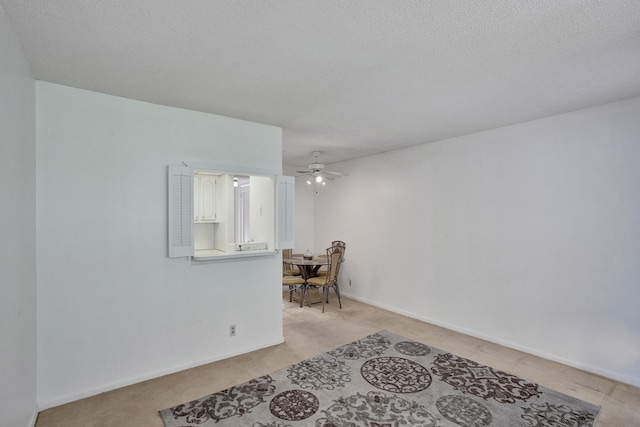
317	172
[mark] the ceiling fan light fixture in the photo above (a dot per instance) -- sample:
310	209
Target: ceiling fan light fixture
316	173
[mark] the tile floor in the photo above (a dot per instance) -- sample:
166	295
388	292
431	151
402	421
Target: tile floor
309	332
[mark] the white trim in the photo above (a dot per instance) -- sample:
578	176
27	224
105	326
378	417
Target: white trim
582	366
134	380
34	419
226	256
231	170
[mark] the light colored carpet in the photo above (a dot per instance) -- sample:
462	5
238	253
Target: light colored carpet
385	380
309	332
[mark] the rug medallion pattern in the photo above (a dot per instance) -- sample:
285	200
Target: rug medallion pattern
470	377
320	373
396	374
385	380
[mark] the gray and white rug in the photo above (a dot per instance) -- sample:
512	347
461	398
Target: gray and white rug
385	380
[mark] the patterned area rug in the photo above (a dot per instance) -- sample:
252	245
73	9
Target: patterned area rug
385	380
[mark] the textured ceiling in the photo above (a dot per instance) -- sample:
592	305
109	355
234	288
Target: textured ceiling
348	78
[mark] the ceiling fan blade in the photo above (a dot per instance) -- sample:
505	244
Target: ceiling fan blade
317	171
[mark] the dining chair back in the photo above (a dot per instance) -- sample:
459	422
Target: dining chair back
335	243
335	257
288	269
338	243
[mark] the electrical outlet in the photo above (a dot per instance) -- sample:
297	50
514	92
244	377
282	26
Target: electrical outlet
232	330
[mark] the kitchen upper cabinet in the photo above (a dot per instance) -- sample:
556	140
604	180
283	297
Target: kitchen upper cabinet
205	194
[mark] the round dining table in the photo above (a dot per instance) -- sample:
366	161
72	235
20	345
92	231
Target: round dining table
308	267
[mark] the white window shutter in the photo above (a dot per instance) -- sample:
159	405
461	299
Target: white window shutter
286	188
180	211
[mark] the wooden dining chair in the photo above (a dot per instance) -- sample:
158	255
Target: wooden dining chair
294	282
335	256
288	269
335	243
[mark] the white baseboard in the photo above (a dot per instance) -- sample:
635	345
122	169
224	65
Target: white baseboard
585	367
149	376
34	418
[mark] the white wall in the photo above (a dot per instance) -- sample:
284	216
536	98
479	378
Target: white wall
527	235
303	212
18	235
113	309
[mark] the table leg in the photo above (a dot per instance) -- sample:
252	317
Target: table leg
304	288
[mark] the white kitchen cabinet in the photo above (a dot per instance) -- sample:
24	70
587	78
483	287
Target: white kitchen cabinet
205	208
202	213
